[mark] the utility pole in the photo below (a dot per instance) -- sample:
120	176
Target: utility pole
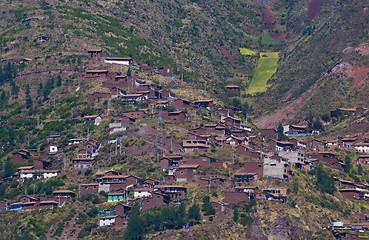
72	112
108	107
38	121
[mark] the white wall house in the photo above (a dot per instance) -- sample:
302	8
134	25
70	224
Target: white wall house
362	147
41	174
53	149
140	193
118	60
107	220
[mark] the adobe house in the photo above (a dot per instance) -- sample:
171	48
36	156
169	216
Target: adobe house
211	181
181	104
185	173
233	89
363	159
317	145
168	95
169	179
297	129
39	164
95	53
121	181
166	72
174	191
358	194
297	143
95	119
241	177
169	161
245	151
90	188
62	196
220	206
162	103
284	146
203	103
157	199
122	209
149	183
361	110
178	117
96	73
147	68
191	145
231	122
329	159
269	132
342	111
132	98
236	197
22	156
83	163
119	61
134	114
28	199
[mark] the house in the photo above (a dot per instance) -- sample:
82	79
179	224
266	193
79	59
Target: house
142	192
96	73
247	189
122	209
95	119
269	132
284	146
254	167
220	206
242	177
119	61
169	179
235	198
203	103
75	141
231	122
169	162
317	145
276	194
132	98
329	159
297	143
342	112
22	156
174	191
90	188
177	117
246	127
121	195
111	220
95	53
62	196
166	72
245	151
295	158
53	149
134	114
276	167
121	181
297	130
82	163
233	89
39	164
358	194
38	173
363	159
185	173
181	104
162	103
348	141
211	182
191	145
362	147
157	199
99	175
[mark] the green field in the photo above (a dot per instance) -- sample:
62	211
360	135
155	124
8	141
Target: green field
247	52
267	66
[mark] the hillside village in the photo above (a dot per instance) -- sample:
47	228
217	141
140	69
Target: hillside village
189	146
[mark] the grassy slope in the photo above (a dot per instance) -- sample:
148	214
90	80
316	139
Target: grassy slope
267	66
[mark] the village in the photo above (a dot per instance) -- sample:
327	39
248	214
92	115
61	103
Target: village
188	162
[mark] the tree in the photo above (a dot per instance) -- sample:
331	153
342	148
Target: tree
135	226
194	213
347	167
235	213
360	170
325	180
8	169
280	132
